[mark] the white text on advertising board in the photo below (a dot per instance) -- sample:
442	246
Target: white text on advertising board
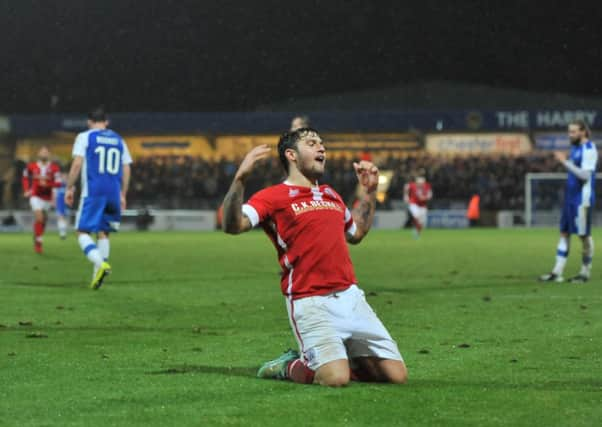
543	118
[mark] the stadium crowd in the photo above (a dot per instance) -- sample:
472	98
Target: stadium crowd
185	182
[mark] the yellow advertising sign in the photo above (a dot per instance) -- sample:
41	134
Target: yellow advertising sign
478	143
60	145
231	147
236	146
169	145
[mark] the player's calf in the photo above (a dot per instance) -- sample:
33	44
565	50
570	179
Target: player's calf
290	367
373	369
562	253
38	230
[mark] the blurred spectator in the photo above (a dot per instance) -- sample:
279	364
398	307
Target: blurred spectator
473	213
299	122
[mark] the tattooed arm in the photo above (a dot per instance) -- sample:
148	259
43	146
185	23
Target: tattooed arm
363	214
234	221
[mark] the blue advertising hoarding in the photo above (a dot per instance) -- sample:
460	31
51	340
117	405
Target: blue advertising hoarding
555	141
276	122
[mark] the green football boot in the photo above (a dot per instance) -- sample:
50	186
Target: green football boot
276	369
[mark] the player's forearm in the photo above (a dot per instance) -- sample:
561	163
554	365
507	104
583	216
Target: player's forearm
125	179
25	184
73	174
363	215
582	174
233	207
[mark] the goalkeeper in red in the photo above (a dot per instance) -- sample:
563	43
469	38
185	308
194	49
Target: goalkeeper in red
340	337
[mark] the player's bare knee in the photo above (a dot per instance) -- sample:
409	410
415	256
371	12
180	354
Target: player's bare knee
333	374
396	373
338	379
399	376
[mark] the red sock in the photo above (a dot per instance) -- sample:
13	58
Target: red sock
299	372
38	230
417	225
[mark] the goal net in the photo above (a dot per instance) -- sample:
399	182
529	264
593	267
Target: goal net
544	196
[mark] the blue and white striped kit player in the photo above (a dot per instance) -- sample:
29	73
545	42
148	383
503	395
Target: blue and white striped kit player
579	201
104	160
580	194
104	153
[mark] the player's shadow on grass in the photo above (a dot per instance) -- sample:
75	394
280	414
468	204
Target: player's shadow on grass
449	287
237	371
42	284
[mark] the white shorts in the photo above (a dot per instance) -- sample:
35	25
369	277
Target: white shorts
341	325
419	213
38	204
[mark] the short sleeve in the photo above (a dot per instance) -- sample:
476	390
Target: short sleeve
126	159
350	227
590	159
258	208
80	146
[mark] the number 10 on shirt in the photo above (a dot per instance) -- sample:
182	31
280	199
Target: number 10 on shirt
108	159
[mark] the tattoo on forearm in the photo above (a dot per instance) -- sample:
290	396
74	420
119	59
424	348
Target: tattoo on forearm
233	206
366	211
363	214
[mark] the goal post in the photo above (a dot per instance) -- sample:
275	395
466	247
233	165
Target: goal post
544	195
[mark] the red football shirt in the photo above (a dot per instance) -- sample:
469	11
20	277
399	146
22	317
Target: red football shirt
307	227
43	177
419	194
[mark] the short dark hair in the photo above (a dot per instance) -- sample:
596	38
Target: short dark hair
582	126
97	114
289	140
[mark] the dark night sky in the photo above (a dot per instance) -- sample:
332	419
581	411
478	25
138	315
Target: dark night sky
235	55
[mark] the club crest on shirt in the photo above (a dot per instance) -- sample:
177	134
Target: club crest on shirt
293	192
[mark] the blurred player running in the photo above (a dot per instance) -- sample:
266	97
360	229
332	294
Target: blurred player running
339	336
39	180
417	194
104	161
579	198
61	207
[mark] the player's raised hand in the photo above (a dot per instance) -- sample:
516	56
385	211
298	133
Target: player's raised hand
69	196
256	154
367	175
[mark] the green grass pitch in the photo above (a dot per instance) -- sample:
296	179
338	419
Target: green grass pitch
175	336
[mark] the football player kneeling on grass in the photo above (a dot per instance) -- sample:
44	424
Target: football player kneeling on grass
340	337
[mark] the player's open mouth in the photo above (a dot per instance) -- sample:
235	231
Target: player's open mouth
321	158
